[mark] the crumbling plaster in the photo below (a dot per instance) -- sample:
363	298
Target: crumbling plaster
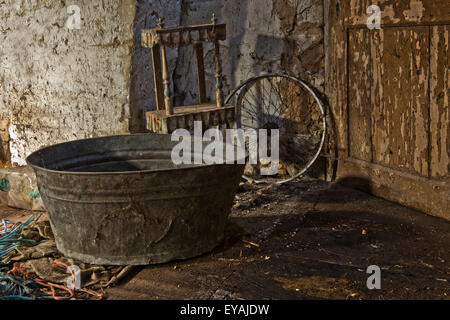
58	84
263	36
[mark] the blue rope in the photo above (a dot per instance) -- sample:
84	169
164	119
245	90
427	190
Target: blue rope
5	226
12	288
10	239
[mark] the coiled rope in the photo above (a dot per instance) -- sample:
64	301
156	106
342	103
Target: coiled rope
18	283
11	237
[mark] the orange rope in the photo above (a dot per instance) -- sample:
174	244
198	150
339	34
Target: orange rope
52	287
8	225
64	291
57	262
20	271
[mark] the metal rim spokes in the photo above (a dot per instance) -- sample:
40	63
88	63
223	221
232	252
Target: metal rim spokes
291	106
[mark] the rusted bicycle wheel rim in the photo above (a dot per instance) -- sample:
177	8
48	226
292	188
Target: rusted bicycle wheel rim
290	105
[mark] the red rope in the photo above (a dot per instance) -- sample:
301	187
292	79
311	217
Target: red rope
63	293
8	226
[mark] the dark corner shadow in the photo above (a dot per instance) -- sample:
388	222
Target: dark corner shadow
355	182
340	191
233	234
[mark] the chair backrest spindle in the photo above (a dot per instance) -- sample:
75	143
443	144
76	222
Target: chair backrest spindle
158	39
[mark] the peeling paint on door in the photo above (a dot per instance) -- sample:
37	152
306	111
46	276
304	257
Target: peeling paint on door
389	98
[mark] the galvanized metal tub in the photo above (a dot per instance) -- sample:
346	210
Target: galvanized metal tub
120	200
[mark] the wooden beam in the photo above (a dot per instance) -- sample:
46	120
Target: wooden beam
407	189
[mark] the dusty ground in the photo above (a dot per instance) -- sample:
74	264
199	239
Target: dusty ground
308	240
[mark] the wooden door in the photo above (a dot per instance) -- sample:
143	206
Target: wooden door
388	92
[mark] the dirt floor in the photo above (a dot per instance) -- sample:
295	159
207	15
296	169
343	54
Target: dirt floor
306	240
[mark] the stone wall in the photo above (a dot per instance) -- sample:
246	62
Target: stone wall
58	84
263	36
5	156
142	91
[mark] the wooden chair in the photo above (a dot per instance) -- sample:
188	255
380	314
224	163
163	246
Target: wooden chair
167	118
